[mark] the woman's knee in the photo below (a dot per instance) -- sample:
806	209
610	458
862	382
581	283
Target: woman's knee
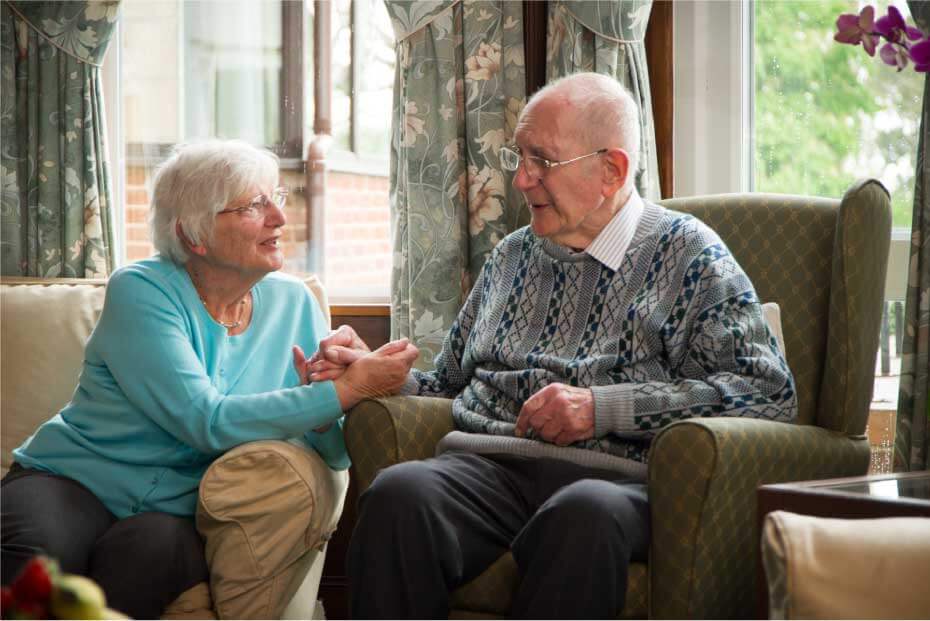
167	542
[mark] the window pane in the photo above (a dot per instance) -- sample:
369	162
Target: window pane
342	74
374	95
827	114
232	68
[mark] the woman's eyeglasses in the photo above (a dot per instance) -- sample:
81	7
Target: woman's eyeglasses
257	206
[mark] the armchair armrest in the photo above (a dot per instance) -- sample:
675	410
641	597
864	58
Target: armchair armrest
383	432
703	476
265	509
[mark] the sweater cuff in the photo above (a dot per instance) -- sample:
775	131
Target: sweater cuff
613	409
411	386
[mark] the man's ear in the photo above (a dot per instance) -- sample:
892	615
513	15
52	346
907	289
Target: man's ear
615	170
197	249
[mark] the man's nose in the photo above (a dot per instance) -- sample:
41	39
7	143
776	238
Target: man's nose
522	180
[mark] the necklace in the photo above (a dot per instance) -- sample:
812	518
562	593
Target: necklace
229	325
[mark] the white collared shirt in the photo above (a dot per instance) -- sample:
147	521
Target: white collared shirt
611	244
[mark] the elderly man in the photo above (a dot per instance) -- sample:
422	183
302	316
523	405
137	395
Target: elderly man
601	322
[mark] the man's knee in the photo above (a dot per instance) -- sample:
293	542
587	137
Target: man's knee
603	507
403	487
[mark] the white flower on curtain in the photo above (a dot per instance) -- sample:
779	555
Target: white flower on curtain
485	64
413	125
491	142
485	197
429	328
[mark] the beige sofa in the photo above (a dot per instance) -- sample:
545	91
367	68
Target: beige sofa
266	508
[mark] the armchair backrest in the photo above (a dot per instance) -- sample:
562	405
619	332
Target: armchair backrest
824	262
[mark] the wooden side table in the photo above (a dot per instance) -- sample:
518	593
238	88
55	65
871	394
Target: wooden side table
905	494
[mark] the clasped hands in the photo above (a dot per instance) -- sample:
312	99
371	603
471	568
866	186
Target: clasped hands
558	413
356	371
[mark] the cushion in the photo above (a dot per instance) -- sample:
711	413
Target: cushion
826	568
262	507
43	329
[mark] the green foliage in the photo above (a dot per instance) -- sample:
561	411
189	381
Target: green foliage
827	114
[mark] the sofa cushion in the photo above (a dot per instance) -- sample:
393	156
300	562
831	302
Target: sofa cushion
828	568
43	329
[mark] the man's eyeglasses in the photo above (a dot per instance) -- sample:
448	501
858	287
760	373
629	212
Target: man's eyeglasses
257	206
536	167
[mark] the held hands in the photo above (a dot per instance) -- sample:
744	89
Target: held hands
376	374
358	374
337	351
558	413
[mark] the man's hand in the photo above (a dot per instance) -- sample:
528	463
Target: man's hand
558	413
337	351
376	374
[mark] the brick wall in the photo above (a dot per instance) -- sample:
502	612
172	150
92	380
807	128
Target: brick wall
357	227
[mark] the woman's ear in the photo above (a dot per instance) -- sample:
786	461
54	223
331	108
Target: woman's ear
198	249
616	168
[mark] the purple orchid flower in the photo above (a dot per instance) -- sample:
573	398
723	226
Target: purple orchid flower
920	54
894	55
891	26
855	29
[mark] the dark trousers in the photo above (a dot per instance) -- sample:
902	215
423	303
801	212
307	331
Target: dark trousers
142	562
427	527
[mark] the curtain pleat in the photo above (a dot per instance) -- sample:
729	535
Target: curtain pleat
459	87
912	439
55	212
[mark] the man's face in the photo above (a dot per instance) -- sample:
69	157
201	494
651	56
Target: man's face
565	202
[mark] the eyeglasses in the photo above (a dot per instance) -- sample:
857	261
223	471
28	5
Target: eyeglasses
257	206
536	167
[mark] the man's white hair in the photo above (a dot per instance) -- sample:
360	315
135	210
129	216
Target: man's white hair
196	181
605	113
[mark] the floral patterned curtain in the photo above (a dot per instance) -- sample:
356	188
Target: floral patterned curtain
912	438
459	87
606	36
55	217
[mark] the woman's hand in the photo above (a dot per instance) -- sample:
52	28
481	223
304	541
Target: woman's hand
337	351
376	374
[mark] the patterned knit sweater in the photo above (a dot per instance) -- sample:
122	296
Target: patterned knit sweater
676	332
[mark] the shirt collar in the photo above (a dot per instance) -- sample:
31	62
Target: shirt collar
611	244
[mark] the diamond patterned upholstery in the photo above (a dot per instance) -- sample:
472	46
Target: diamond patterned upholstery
823	261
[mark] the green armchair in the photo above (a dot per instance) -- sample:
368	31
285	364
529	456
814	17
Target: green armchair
823	261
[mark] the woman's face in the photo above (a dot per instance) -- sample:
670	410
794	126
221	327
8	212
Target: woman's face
247	234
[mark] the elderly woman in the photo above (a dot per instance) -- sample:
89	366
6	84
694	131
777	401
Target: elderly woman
192	356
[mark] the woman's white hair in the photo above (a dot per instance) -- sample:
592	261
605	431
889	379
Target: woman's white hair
605	113
198	180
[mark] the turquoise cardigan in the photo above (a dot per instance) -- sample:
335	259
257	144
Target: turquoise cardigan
164	390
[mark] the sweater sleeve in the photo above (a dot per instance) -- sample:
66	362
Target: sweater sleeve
146	342
723	359
452	373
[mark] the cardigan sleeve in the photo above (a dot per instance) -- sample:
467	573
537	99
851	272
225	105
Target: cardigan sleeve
145	340
723	359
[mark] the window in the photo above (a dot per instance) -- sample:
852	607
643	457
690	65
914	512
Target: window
245	69
825	114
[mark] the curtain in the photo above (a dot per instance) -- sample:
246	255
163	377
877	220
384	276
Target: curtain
607	36
459	87
912	447
55	214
